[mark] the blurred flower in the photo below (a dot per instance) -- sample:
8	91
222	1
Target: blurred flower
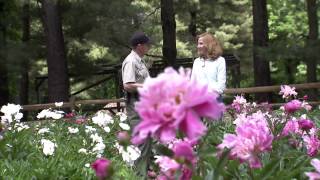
124	126
167	165
90	129
291	127
107	129
305	124
292	106
123	138
102	167
123	116
251	139
21	126
96	138
49	113
129	154
58	104
82	150
314	175
238	102
47	147
10	109
102	119
172	102
99	148
287	91
73	130
312	144
80	120
11	113
69	115
43	130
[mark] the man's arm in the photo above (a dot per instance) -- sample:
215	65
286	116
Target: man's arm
131	86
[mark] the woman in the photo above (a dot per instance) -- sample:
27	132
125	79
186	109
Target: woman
210	67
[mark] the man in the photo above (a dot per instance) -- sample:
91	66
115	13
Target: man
134	72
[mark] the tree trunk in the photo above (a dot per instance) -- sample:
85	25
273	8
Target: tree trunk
24	76
169	49
260	41
4	91
58	80
311	58
193	23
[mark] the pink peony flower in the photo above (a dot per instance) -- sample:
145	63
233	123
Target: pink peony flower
171	103
314	175
70	115
291	127
287	91
251	139
238	102
292	106
312	144
184	151
305	124
101	167
167	166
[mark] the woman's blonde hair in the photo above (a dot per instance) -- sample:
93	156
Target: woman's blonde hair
212	44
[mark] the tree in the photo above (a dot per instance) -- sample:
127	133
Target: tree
311	59
24	75
4	92
58	80
260	41
169	32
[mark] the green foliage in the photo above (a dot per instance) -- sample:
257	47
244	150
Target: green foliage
22	157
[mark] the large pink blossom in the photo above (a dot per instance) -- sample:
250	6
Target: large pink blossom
305	124
293	106
291	127
287	91
251	139
171	103
312	144
238	103
314	175
183	160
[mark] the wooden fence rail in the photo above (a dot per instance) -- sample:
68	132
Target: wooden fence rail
120	102
264	89
72	104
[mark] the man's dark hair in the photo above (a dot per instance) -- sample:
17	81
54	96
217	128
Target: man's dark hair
139	38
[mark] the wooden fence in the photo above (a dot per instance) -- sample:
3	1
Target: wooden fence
119	104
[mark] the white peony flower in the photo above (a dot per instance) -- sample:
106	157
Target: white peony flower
83	151
124	126
43	130
129	155
47	147
107	129
73	130
90	129
58	104
123	116
87	165
10	109
22	126
96	138
11	113
99	148
102	119
48	113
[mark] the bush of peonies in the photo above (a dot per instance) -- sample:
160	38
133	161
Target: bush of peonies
191	138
